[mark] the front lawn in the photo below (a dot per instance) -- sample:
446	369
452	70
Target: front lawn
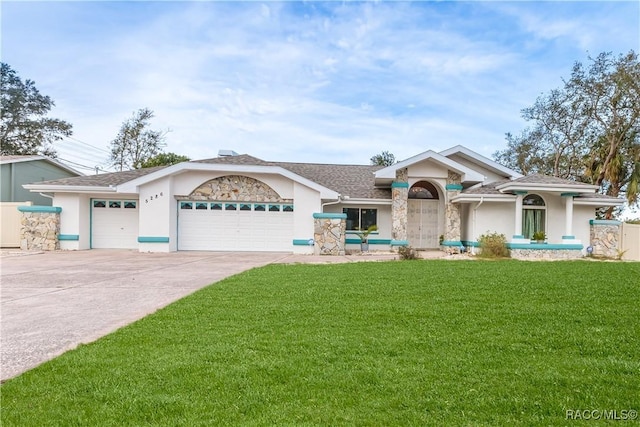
391	343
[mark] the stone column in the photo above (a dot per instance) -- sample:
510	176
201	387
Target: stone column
329	233
605	238
452	212
399	201
40	227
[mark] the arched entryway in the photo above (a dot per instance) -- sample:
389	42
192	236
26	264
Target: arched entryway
424	216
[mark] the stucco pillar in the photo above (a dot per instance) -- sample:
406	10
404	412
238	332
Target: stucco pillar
452	211
517	229
399	201
568	218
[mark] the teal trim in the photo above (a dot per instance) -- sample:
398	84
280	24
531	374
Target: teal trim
399	185
379	241
470	244
545	246
569	194
302	242
330	215
453	187
68	237
399	243
604	222
455	243
520	193
371	241
40	209
153	239
568	237
518	236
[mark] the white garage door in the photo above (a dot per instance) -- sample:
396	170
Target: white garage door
223	226
114	224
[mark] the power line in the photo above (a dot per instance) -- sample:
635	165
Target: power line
89	145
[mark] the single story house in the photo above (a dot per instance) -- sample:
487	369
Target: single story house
242	203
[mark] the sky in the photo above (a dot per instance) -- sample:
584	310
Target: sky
304	81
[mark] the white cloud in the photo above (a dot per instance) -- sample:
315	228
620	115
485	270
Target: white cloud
306	81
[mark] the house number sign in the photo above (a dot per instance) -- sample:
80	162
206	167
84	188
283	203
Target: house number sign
153	197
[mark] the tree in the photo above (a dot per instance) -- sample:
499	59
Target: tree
588	130
25	128
135	143
164	159
383	159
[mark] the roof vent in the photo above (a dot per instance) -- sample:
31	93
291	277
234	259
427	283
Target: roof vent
227	153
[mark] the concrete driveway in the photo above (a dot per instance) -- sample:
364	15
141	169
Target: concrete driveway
53	301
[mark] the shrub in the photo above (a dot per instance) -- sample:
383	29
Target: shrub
407	252
493	245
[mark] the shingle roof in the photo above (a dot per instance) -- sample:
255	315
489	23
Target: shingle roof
355	181
489	188
103	179
537	178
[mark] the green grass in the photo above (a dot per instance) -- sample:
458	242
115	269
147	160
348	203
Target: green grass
380	344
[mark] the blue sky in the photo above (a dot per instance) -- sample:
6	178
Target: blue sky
325	82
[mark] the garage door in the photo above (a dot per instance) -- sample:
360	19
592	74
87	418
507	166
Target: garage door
114	224
223	226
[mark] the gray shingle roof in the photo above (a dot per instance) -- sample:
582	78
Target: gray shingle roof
537	178
103	179
489	188
355	181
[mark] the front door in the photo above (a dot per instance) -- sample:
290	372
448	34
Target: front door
422	223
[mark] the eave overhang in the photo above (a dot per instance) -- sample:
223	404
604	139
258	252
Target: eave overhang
513	186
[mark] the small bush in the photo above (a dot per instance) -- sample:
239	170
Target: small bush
493	245
407	252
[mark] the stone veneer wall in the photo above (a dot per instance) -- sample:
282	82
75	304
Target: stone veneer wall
605	238
329	234
238	188
452	211
546	253
39	231
399	202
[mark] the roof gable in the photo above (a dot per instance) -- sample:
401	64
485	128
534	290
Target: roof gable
389	173
481	161
36	158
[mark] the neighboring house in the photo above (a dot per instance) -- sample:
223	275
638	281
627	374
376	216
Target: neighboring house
15	171
241	203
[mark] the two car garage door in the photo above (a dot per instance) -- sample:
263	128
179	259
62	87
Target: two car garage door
231	226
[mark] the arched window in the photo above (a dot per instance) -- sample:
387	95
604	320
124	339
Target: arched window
423	190
534	212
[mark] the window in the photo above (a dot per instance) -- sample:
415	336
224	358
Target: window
259	208
216	206
287	208
533	215
186	205
245	207
129	205
99	204
230	207
201	205
360	219
115	204
423	190
274	208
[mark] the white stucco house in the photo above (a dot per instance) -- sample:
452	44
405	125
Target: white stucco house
242	203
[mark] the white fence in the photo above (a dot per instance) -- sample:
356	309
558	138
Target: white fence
10	224
630	242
